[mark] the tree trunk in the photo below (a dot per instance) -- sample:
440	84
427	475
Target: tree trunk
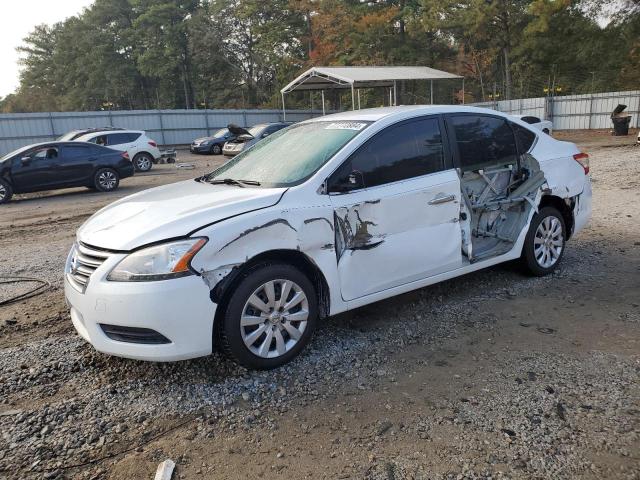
507	74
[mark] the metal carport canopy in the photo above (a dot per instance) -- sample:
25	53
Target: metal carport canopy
325	78
329	78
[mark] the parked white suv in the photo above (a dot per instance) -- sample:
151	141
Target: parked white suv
142	150
328	215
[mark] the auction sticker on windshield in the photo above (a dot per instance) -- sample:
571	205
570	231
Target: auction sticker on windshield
345	126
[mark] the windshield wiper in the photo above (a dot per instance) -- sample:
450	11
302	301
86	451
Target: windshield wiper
233	181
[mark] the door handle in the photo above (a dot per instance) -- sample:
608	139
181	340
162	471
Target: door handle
442	199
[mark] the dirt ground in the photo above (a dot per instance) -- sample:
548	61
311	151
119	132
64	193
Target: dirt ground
492	375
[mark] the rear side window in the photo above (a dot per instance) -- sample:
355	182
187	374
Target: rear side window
74	151
120	138
530	119
483	141
524	137
410	149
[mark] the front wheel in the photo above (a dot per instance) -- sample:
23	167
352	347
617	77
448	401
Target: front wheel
216	149
6	192
106	180
545	242
270	317
142	162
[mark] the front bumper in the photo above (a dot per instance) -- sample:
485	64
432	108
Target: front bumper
180	309
199	148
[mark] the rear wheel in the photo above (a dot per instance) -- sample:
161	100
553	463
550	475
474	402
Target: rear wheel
545	243
142	162
6	192
270	316
106	180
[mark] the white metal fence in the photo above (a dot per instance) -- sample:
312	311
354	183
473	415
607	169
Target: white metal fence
178	127
167	127
574	112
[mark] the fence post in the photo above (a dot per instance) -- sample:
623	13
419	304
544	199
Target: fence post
590	110
53	130
164	141
206	121
244	118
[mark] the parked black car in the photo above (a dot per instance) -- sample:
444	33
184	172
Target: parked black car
212	144
49	166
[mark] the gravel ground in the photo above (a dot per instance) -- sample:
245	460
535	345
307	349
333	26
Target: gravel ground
493	375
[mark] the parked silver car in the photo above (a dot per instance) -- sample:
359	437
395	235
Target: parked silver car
247	138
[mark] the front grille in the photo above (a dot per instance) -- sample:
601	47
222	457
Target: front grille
144	336
84	261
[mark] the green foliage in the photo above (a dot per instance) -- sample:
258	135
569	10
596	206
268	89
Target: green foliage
140	54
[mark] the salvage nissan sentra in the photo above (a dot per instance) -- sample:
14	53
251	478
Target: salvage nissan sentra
325	216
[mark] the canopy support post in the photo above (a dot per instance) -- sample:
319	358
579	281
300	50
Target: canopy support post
463	90
353	98
323	103
395	94
358	99
390	99
431	92
284	111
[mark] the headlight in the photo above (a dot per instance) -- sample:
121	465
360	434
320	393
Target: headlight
160	262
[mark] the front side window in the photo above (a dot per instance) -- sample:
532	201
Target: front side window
483	141
407	150
44	153
291	155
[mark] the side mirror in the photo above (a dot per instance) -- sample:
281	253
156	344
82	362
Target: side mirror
265	135
25	160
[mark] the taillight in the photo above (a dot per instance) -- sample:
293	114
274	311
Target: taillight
152	143
125	155
583	160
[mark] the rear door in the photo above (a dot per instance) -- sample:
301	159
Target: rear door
76	163
396	209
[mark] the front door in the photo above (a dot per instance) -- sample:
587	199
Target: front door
35	169
396	204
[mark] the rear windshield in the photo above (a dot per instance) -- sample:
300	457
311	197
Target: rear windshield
291	155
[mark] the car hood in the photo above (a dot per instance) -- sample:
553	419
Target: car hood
170	211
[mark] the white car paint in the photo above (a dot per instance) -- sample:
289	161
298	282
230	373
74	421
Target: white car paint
138	143
391	247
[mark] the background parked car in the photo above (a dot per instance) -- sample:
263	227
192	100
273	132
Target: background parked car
543	125
247	138
54	165
73	134
212	144
142	150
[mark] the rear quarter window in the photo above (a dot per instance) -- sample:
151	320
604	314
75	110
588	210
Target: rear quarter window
524	136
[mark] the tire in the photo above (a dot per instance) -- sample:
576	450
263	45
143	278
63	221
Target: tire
6	191
216	149
268	339
142	162
106	180
545	243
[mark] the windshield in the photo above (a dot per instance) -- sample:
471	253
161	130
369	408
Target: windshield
256	130
291	155
221	133
15	152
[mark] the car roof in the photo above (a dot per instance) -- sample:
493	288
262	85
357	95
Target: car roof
375	114
105	132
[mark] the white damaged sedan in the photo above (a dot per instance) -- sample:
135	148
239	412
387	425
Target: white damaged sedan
322	217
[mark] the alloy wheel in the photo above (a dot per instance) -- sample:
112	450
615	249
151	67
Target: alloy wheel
143	163
107	180
3	192
274	318
548	242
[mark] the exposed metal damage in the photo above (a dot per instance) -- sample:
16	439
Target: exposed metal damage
498	203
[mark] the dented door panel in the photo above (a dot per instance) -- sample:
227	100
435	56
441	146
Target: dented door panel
391	235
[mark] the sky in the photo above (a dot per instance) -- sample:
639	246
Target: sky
17	20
